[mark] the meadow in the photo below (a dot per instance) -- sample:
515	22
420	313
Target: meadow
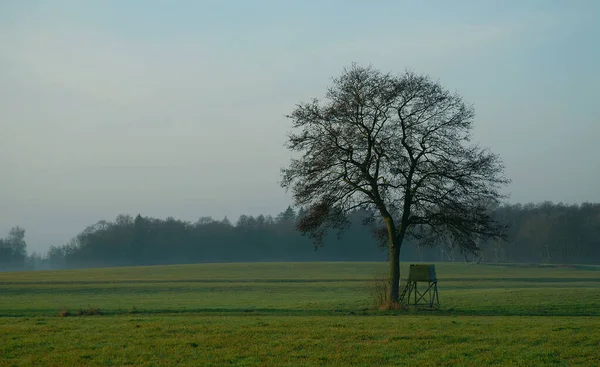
297	314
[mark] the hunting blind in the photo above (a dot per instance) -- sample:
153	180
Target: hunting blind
411	295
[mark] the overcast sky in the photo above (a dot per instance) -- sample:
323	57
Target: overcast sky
176	108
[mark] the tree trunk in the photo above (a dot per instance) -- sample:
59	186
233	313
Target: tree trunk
394	259
394	289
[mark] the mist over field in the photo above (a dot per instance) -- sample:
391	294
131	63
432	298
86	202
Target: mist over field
546	233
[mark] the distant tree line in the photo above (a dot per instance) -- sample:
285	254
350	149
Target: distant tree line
548	233
13	250
148	241
537	233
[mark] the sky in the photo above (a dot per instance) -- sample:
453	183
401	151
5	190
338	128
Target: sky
177	108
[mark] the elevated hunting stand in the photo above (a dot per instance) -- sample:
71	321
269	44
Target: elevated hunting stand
424	273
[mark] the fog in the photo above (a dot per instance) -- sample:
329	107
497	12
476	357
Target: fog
164	109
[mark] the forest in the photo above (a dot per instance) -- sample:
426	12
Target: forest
536	233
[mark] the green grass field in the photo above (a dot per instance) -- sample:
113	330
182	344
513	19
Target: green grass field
296	314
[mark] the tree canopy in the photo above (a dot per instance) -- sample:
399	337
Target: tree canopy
400	148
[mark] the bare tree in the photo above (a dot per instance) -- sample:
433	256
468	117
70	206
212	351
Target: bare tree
399	148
